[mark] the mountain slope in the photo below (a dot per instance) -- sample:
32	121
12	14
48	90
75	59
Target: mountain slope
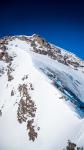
41	95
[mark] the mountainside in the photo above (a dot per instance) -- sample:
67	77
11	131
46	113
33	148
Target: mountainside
41	95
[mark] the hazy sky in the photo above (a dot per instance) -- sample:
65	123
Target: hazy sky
60	22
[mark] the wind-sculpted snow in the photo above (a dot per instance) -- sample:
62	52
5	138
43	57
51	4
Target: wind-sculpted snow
41	95
59	81
69	78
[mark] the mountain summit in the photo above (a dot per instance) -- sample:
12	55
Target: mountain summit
41	95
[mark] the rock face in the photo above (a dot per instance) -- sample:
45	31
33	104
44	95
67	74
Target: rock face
41	95
41	46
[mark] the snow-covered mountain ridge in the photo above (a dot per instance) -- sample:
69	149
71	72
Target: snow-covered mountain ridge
41	95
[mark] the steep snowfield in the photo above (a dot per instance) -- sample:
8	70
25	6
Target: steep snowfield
58	120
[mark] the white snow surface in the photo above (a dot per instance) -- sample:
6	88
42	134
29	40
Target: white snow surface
57	121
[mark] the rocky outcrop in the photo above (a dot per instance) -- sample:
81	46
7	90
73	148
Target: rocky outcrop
27	110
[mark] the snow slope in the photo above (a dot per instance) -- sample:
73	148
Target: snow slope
57	93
